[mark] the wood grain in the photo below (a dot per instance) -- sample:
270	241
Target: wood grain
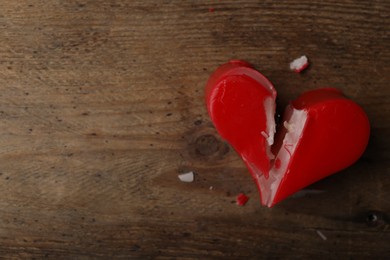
102	107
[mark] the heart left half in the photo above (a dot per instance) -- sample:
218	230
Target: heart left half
321	125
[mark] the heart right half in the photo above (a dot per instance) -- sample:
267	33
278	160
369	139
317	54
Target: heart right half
322	132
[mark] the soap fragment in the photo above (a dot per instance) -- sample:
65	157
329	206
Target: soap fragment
242	199
299	64
186	177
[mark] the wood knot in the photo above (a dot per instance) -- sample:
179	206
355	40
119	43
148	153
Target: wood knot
207	145
204	144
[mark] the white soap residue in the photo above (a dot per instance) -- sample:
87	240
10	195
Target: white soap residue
269	186
269	107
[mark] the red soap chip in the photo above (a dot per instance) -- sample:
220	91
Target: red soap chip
242	199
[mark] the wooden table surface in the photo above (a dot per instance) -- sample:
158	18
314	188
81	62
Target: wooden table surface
101	107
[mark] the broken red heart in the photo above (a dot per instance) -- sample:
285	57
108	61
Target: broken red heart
322	133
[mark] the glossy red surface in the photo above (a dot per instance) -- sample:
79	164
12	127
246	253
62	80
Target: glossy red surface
235	96
335	135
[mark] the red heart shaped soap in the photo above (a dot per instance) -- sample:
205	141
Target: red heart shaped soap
322	132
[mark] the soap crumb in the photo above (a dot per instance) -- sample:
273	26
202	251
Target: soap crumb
300	64
241	199
211	188
288	126
186	177
321	235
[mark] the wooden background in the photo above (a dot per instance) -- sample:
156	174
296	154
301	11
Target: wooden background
101	107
